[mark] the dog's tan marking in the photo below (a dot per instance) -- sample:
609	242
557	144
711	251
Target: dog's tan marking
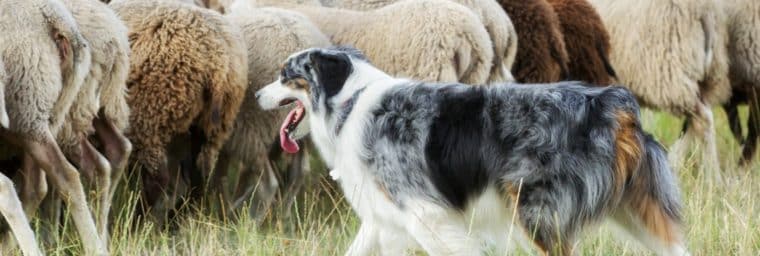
628	151
657	222
298	84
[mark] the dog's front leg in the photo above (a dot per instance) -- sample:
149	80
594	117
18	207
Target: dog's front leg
365	242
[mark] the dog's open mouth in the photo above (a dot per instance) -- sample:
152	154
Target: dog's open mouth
287	142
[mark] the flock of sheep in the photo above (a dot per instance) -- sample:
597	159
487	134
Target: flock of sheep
91	88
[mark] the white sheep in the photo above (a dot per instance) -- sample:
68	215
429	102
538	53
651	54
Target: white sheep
100	110
496	21
46	61
744	70
432	40
271	35
672	55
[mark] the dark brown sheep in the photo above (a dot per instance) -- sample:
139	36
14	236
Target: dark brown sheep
541	55
586	41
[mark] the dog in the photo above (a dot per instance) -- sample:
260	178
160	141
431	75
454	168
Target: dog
444	166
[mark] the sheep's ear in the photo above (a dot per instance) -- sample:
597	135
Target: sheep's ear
332	70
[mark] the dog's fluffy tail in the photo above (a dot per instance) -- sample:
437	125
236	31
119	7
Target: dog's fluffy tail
652	201
656	172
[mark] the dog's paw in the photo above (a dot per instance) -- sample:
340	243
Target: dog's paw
334	174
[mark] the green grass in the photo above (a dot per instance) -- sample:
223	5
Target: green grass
719	219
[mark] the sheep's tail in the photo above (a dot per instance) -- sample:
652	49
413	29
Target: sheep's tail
607	64
474	57
74	54
708	26
4	120
113	95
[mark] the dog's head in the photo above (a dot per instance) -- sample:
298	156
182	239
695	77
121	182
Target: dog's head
309	79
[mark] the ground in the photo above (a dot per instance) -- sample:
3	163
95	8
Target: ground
719	219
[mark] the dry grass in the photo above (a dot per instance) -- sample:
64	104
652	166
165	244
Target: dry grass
719	219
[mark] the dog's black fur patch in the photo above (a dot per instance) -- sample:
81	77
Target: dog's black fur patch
456	137
332	70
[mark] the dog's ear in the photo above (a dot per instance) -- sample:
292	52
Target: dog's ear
332	69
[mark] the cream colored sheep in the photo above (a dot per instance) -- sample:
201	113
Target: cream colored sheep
432	40
46	61
496	21
187	78
271	35
672	55
10	205
100	110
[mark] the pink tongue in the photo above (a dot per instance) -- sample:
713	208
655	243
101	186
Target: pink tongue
288	144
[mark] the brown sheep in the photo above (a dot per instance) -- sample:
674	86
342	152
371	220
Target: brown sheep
541	55
187	78
586	41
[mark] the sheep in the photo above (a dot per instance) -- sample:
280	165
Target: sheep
497	23
46	60
431	40
271	35
104	84
541	53
187	78
586	41
672	55
10	205
744	70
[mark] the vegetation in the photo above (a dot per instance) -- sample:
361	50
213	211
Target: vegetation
720	219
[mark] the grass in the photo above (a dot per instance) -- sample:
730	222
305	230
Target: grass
719	219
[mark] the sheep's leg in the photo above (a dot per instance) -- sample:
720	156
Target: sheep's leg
65	177
699	131
50	212
218	183
753	127
102	197
11	209
97	172
295	181
117	149
734	120
33	186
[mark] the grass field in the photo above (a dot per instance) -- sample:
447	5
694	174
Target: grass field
719	219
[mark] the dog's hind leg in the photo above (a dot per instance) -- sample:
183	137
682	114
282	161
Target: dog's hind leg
548	214
440	231
647	223
11	209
